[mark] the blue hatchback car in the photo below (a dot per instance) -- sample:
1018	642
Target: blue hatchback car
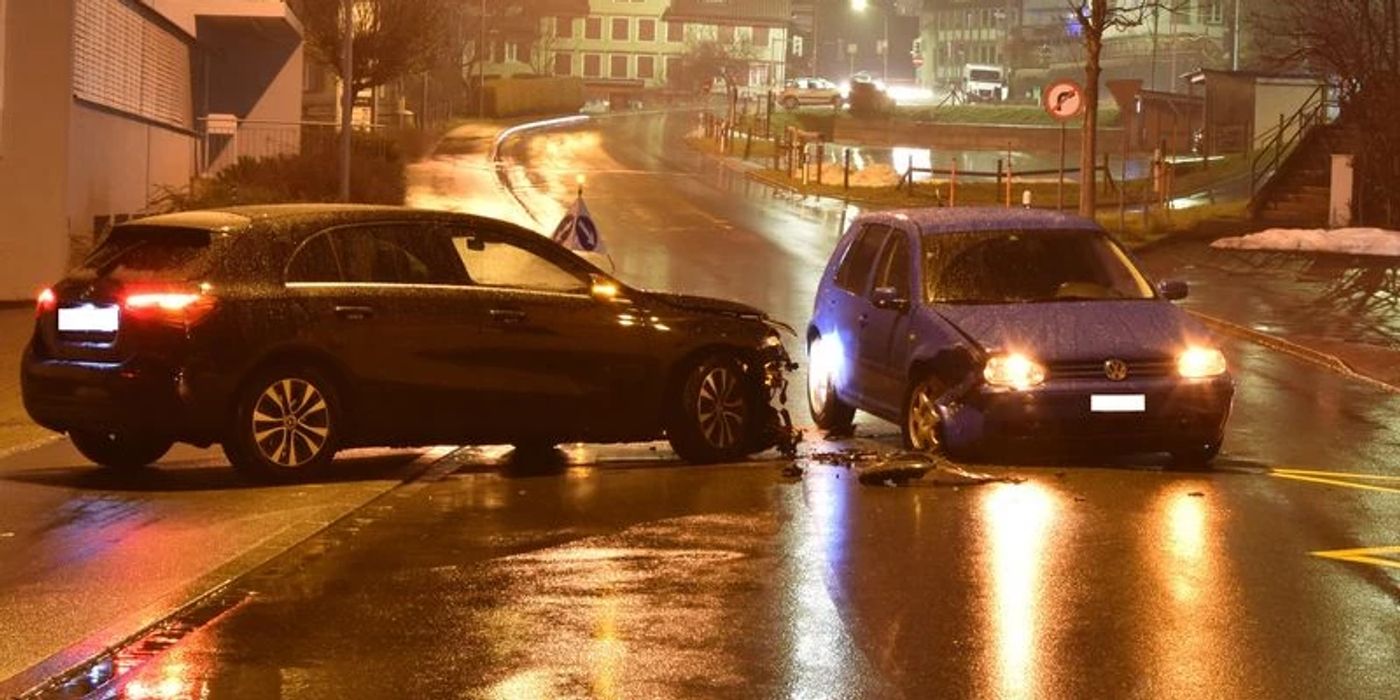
982	328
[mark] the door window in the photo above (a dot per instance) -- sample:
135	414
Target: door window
314	262
893	270
493	262
396	254
854	274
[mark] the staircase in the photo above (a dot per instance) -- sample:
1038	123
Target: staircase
1291	174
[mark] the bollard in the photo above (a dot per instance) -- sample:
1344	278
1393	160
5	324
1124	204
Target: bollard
846	171
1026	199
821	158
997	192
953	184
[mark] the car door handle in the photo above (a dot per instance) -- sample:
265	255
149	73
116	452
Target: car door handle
507	315
354	313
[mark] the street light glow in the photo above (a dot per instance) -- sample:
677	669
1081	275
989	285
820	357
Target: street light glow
859	5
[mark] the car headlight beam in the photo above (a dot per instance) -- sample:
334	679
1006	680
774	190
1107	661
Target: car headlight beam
1200	363
1013	370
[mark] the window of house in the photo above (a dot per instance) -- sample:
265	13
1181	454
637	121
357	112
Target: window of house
618	67
646	30
621	27
726	34
760	36
564	27
673	68
563	64
593	28
592	66
125	61
675	32
646	67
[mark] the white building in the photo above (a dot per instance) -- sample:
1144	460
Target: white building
100	102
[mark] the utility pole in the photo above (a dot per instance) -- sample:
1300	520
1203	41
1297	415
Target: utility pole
347	90
1235	52
481	65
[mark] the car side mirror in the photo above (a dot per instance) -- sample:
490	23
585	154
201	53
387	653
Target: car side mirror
889	298
604	288
1173	290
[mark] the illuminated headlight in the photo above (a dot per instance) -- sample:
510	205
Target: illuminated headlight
773	341
1199	363
1014	370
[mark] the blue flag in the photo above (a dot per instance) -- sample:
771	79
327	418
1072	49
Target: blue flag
577	230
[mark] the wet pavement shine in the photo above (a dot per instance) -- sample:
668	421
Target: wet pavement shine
620	572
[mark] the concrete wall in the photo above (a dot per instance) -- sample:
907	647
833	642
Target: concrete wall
1275	99
34	149
118	166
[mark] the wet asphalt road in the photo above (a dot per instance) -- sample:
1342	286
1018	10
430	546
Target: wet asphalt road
625	574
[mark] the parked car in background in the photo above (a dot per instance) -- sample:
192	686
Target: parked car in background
800	92
286	333
979	329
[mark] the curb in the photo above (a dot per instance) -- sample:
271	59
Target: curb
1294	350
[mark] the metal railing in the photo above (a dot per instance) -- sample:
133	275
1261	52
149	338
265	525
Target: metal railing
1281	141
223	142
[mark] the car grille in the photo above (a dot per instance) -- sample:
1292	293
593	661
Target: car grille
1094	369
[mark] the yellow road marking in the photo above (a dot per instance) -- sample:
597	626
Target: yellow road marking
1354	475
1363	556
1335	482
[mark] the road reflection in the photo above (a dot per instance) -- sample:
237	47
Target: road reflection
1018	520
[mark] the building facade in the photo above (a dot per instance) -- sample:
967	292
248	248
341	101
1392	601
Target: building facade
101	106
639	44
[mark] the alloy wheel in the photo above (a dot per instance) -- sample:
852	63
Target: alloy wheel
291	422
923	418
720	408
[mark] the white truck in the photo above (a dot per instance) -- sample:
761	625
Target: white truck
984	83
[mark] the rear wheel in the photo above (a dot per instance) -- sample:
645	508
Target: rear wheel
923	425
713	416
119	450
1196	456
287	425
829	412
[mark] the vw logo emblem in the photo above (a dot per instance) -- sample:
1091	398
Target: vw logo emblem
1116	370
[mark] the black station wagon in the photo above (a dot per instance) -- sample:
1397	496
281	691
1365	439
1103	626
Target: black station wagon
285	333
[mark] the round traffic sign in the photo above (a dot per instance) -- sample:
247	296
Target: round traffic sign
1064	100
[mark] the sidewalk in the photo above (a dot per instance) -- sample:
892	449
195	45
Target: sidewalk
16	430
1325	306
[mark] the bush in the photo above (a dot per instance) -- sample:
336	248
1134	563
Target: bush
376	177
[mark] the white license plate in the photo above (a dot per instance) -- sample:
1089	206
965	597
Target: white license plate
88	319
1117	403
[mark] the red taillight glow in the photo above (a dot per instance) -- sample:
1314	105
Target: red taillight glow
46	301
164	301
181	307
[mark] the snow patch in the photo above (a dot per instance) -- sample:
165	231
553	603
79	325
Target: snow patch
1348	241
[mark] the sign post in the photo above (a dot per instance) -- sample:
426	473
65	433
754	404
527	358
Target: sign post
1064	100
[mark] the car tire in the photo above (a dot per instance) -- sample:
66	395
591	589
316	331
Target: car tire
286	426
119	450
714	413
790	103
1196	456
828	411
921	426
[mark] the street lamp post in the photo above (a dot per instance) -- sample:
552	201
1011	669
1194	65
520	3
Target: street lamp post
861	6
347	97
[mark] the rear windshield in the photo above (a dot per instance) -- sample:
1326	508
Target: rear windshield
986	76
152	251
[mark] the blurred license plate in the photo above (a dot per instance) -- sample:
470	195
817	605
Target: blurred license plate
1118	403
88	319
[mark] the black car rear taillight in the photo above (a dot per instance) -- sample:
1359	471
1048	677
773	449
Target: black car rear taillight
47	301
180	307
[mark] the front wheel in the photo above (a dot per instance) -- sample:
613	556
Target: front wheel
119	450
287	425
923	425
790	103
713	417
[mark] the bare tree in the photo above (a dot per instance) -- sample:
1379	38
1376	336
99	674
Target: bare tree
1097	18
1356	44
392	38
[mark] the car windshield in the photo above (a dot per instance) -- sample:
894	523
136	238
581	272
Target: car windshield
1001	267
